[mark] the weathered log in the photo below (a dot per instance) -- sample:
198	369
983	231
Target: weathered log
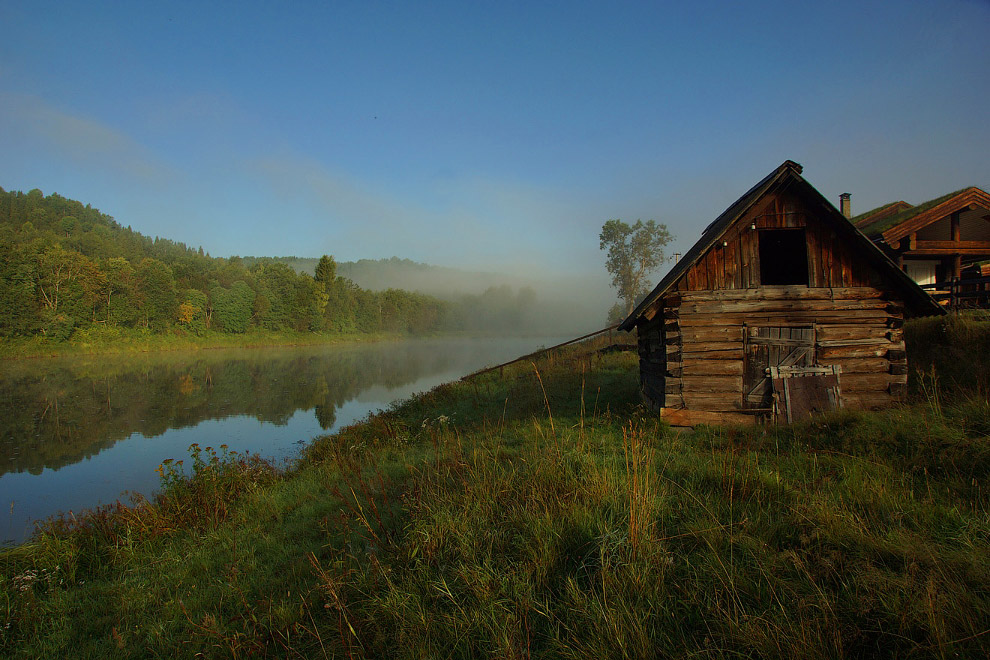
712	384
714	402
783	293
764	306
687	417
701	367
864	365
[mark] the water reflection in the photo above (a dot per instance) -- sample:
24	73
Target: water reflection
77	432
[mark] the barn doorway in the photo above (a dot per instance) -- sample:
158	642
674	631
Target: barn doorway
781	377
773	347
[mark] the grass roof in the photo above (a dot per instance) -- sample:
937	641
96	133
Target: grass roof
856	219
875	229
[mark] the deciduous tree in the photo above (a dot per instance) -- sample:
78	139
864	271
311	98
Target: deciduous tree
634	252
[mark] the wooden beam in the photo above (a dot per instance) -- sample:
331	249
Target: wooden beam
697	348
950	252
684	417
952	245
712	384
754	306
714	402
784	293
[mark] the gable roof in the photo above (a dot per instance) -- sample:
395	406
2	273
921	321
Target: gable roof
884	211
786	176
895	227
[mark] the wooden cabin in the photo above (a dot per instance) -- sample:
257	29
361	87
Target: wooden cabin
781	308
934	241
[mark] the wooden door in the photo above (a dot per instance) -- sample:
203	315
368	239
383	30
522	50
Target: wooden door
773	347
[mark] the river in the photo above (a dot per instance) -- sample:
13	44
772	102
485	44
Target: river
79	432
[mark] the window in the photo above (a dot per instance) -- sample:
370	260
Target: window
783	257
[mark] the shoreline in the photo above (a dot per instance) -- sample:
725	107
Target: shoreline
132	343
137	344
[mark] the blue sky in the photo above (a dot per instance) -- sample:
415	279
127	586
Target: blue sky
495	136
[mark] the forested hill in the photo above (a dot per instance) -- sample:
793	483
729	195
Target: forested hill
397	273
66	267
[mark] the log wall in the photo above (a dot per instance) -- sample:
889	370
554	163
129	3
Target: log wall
692	351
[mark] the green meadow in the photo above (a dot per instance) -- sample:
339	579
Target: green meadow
540	511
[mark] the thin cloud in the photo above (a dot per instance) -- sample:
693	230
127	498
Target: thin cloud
84	141
451	220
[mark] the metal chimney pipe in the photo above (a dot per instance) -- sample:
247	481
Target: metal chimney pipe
845	206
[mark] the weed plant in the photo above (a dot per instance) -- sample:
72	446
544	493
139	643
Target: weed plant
538	512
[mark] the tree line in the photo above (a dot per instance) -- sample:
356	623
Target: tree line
65	266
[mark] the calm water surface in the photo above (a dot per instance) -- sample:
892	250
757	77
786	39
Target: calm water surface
79	432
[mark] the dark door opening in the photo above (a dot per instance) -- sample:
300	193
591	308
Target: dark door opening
783	257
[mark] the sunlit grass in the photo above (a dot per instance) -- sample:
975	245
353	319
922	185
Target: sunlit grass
539	512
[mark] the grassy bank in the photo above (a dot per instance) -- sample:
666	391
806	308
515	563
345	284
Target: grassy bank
539	512
111	341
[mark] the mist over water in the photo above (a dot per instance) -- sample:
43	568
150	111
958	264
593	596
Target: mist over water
558	303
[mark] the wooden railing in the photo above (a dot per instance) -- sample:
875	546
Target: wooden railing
535	354
961	293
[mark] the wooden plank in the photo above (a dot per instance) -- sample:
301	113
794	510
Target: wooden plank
749	306
845	265
706	334
846	332
833	259
861	272
688	417
707	352
732	278
712	384
701	367
953	246
713	402
866	382
694	348
865	365
872	317
710	269
756	212
807	395
946	252
775	340
784	292
831	353
718	255
814	256
745	270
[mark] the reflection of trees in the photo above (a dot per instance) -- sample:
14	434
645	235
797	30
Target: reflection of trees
326	416
58	412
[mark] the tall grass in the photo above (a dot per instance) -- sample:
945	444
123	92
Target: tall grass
955	348
514	517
